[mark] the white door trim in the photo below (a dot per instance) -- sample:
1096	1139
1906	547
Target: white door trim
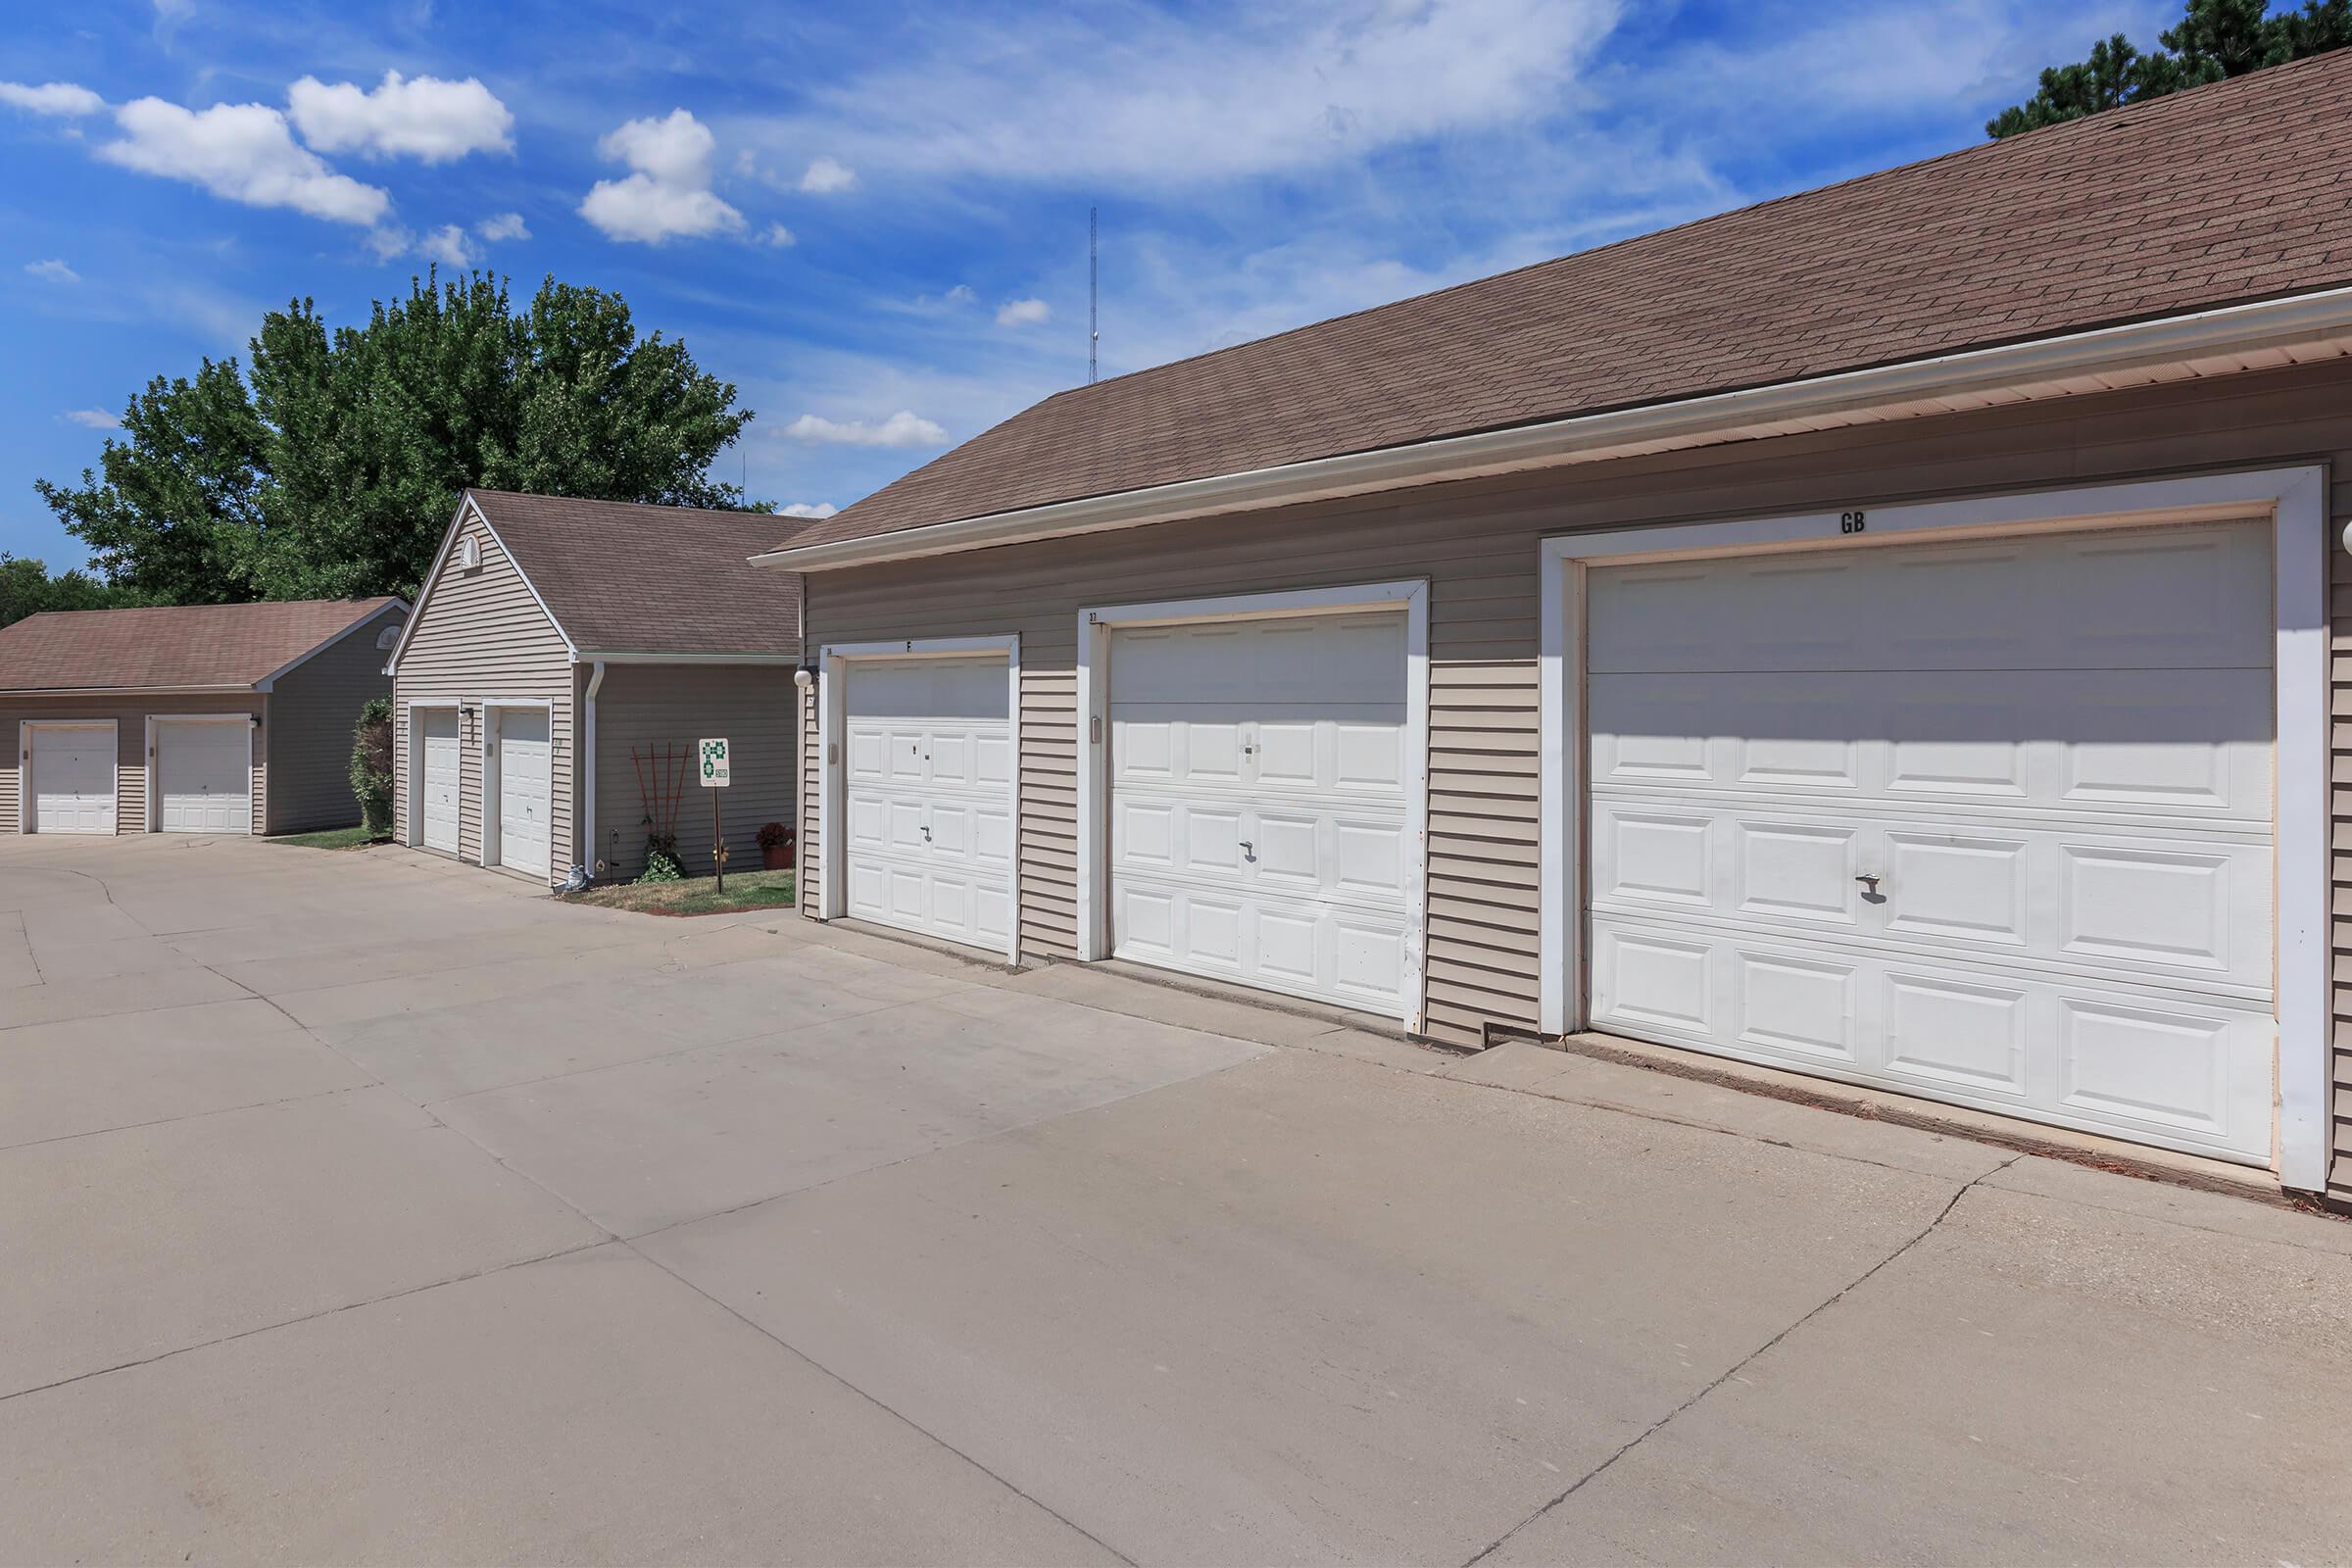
2296	501
411	831
831	718
1094	625
155	761
24	796
493	779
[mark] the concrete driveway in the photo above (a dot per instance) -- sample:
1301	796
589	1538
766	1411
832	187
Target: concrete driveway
361	1208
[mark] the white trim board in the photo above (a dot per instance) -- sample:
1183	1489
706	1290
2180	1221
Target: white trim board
2295	499
832	863
25	729
155	757
1094	625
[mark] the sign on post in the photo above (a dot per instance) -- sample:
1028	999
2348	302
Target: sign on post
712	766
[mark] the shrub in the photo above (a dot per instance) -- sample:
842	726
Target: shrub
772	835
661	859
371	766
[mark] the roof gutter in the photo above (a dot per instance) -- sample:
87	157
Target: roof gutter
2043	367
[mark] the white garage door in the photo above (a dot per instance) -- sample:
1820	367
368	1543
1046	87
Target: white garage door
929	839
438	748
72	778
204	775
524	791
1988	822
1257	803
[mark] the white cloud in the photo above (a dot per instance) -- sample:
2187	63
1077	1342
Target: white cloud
779	237
61	98
675	151
53	271
93	419
447	245
243	151
826	175
424	117
503	225
960	294
390	243
1023	312
905	428
669	195
807	508
1143	95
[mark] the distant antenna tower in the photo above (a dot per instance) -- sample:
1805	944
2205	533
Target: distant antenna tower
1094	328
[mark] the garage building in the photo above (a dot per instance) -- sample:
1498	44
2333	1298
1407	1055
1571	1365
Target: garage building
191	718
551	629
1883	634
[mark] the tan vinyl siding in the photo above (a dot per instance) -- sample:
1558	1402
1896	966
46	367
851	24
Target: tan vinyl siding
313	708
644	706
481	634
1476	543
130	714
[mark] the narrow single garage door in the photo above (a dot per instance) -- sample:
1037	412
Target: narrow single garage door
522	790
72	778
929	841
437	771
204	775
1988	822
1257	803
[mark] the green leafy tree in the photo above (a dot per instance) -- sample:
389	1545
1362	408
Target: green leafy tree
330	468
2215	39
27	589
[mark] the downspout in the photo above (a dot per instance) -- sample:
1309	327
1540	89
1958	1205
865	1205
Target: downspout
586	868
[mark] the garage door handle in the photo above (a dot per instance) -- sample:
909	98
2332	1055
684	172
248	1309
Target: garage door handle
1869	881
1248	849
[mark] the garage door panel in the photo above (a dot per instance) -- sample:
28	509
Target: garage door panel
1256	802
929	836
2178	598
525	790
436	735
72	778
2007	841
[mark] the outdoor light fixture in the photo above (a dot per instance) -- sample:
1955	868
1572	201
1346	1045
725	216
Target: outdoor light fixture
804	675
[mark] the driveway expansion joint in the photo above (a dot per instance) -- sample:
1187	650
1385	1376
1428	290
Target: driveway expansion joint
1737	1367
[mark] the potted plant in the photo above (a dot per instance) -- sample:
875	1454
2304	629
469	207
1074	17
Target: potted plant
775	846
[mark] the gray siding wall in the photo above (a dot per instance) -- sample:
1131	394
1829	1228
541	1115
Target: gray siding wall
642	708
481	634
313	710
130	714
1476	542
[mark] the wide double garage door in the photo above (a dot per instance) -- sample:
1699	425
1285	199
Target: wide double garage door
1990	823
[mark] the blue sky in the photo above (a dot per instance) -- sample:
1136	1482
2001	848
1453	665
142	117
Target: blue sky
872	218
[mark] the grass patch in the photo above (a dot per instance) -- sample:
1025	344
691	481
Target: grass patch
697	895
334	838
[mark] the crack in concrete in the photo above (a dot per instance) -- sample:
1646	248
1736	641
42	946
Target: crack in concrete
1741	1365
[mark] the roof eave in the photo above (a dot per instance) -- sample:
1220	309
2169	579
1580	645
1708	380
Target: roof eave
2315	326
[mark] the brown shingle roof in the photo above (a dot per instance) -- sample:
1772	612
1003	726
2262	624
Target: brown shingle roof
2228	193
620	578
177	645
